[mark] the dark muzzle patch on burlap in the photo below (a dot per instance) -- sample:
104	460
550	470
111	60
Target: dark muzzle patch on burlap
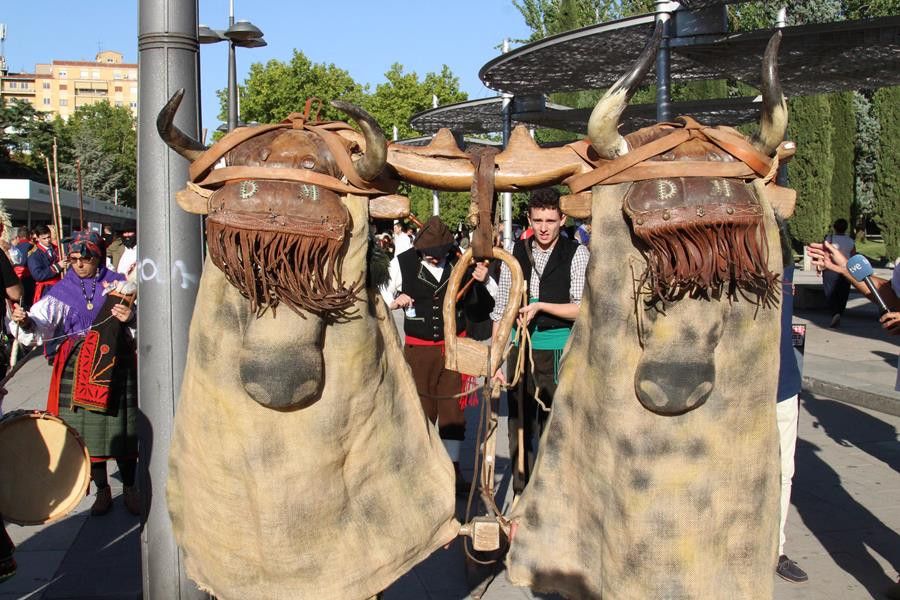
705	235
282	241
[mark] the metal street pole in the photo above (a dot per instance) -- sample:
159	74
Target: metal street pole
232	75
506	197
663	72
170	265
435	198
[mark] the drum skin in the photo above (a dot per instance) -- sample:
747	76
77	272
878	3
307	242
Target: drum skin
45	468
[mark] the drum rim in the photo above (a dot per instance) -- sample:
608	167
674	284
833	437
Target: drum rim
8	418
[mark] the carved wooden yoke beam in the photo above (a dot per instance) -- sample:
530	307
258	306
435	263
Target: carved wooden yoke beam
523	165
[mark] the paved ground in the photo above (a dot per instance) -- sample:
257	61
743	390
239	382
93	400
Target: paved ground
842	528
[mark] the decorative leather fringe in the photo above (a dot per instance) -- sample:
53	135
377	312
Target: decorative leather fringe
270	267
703	259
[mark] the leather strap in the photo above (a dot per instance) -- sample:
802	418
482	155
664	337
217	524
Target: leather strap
483	196
340	154
581	182
740	149
635	165
223	146
682	168
219	176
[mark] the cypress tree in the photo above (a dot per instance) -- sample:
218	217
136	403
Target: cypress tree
843	121
867	132
886	105
811	169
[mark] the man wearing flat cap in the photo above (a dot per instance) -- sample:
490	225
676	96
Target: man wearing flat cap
417	284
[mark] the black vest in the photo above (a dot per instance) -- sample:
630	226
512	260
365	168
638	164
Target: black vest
556	280
428	294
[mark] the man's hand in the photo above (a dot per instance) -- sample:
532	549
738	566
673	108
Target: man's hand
62	264
891	322
528	312
499	376
828	256
402	301
122	312
18	314
481	272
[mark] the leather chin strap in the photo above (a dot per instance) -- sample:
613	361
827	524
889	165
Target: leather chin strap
637	166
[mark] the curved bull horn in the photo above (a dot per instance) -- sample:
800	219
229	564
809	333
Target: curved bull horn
603	126
373	161
774	118
176	139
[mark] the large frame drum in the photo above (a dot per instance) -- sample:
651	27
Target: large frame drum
45	469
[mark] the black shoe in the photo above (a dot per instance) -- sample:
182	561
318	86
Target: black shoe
835	321
789	571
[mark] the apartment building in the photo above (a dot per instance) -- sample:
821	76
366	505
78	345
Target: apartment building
63	85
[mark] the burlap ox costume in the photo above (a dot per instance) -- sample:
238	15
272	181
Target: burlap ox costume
658	473
301	463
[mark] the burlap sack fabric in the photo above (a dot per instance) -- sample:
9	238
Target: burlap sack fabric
334	500
629	504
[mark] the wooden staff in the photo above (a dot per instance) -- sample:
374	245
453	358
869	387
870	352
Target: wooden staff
59	232
50	183
80	193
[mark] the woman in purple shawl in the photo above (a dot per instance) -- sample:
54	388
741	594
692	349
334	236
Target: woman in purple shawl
94	382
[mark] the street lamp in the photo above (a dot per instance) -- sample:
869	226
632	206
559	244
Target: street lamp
241	33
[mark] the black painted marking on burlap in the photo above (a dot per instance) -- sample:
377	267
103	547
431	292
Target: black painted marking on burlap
696	448
626	448
532	516
640	480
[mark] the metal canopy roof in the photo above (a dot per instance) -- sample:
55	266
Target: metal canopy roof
813	59
485	116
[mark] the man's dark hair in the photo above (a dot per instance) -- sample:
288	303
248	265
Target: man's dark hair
546	197
22	232
840	226
41	230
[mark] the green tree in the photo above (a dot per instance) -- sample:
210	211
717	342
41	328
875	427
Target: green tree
811	169
274	90
868	130
26	137
843	148
104	139
886	105
402	95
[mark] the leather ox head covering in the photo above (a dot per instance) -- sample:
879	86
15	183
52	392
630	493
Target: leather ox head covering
693	199
276	224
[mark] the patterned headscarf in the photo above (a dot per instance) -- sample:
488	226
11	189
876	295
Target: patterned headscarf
88	244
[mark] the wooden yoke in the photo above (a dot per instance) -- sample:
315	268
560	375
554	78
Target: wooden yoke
470	357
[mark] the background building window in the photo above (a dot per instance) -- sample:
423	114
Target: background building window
46	101
46	85
63	75
84	74
63	86
118	103
64	102
13	85
118	88
95	74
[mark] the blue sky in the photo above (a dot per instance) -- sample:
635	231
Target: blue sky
423	35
